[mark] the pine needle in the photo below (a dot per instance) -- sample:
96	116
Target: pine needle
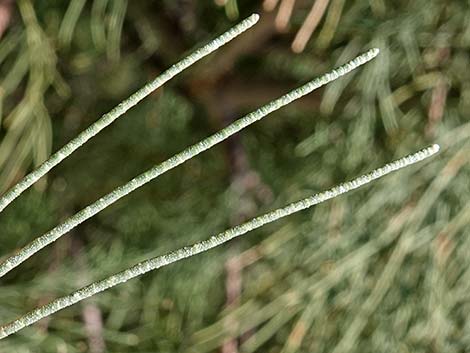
122	108
178	159
69	22
212	242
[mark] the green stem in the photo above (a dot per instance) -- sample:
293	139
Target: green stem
178	159
212	242
122	108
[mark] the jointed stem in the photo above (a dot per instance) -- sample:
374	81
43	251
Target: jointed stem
210	243
122	108
178	159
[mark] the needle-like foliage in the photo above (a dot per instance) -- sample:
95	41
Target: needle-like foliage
176	160
122	108
382	269
212	242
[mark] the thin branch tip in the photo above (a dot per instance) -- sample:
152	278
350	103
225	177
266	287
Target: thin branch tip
212	242
119	110
254	17
185	155
374	52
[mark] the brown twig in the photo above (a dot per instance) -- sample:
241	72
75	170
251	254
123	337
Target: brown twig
6	8
93	321
438	97
284	14
269	5
436	107
91	313
335	220
222	62
245	184
233	288
309	26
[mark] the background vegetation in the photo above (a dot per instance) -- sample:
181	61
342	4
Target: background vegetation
386	268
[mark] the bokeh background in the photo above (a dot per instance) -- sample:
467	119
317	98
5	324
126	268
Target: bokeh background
383	269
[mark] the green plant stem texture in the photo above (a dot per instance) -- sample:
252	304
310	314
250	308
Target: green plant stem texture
178	159
122	108
210	243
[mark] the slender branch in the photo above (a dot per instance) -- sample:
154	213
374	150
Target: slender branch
212	242
122	108
178	159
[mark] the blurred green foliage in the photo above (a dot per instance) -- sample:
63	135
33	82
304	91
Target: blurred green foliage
383	269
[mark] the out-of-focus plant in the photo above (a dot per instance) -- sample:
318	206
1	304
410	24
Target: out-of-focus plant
380	270
169	164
